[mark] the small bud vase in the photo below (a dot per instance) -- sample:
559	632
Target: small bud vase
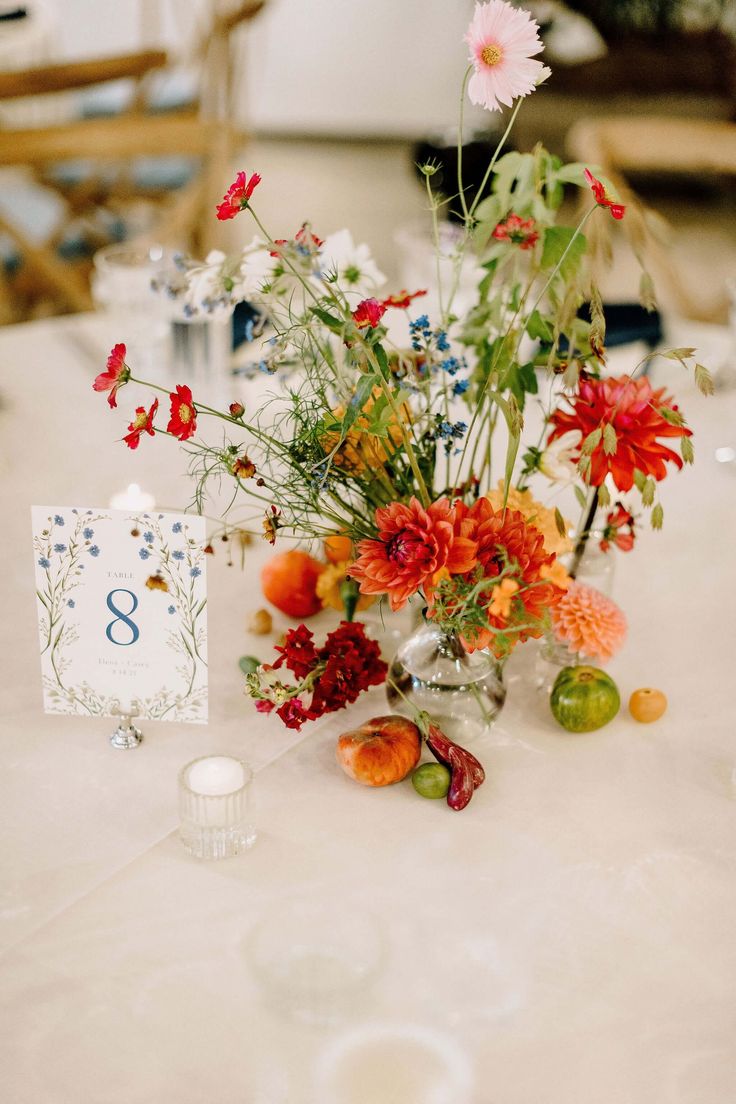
551	658
463	692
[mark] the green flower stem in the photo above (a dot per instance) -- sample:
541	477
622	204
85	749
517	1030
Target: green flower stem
411	455
494	159
460	189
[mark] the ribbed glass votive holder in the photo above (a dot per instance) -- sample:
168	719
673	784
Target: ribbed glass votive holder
216	807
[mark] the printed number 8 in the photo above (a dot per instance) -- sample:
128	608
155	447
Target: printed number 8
123	617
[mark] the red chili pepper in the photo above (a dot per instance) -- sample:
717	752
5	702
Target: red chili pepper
467	773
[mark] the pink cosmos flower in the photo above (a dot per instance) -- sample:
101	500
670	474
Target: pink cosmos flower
117	374
236	198
502	41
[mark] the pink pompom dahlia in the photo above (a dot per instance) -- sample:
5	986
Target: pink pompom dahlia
503	40
590	624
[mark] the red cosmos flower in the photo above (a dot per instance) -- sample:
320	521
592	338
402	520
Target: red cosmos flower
403	300
518	231
183	420
505	538
369	312
117	374
632	407
617	522
602	197
412	546
142	423
236	198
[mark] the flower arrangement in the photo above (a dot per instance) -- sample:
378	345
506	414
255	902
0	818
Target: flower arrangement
386	425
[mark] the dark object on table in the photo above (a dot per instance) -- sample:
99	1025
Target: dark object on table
13	14
627	323
246	319
478	149
655	16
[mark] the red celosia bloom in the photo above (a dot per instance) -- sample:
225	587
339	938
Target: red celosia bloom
632	407
298	652
142	423
403	299
518	231
506	539
602	197
183	420
619	530
412	545
116	375
369	312
236	198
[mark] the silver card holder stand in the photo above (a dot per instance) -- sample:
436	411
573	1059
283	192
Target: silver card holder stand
126	735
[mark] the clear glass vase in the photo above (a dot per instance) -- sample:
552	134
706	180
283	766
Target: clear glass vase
462	692
551	658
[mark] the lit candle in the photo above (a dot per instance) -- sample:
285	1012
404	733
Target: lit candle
133	499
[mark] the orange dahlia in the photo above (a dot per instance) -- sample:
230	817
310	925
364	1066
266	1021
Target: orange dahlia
541	517
413	545
507	542
633	409
589	624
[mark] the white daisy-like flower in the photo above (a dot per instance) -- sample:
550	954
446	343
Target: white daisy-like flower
503	40
355	268
557	461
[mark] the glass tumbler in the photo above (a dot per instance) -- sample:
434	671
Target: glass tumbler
216	807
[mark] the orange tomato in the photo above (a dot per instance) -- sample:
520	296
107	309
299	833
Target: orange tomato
380	752
338	548
647	705
289	582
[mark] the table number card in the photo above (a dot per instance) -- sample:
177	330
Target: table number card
122	612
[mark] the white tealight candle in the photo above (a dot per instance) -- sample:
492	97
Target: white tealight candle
216	776
133	499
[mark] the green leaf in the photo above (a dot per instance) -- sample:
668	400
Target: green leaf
489	210
574	173
382	359
248	664
639	479
538	328
647	494
604	496
610	440
581	496
704	380
330	320
657	516
687	450
559	243
360	397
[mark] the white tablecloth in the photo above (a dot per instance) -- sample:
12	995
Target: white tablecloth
570	933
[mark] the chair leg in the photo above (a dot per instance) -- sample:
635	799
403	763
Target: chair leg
70	288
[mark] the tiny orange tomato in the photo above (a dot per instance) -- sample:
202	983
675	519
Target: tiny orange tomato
647	705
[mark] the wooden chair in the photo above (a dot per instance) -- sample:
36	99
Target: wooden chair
625	145
203	131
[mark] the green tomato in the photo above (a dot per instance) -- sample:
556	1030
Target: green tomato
584	698
431	780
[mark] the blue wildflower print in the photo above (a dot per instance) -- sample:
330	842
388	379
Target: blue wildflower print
195	572
71	603
94	550
172	609
148	537
58	519
178	555
43	562
176	527
88	533
59	548
143	553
